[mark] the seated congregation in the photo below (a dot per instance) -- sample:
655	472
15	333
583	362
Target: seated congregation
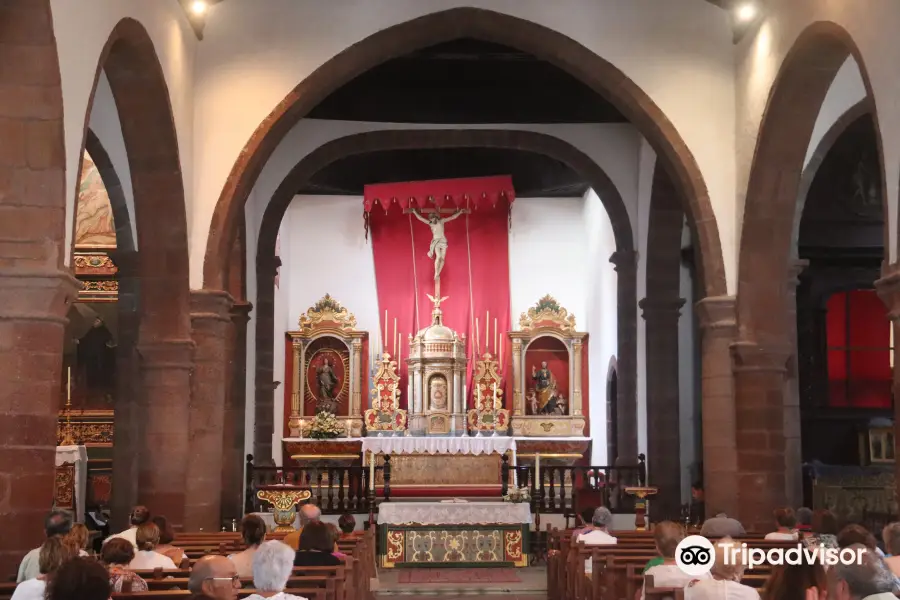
592	562
148	560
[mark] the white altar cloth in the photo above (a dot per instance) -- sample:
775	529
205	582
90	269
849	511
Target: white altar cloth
78	456
453	513
438	445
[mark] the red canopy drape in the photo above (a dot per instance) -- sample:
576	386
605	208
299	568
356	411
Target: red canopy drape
475	276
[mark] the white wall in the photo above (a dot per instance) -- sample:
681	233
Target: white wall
254	53
646	167
82	28
601	318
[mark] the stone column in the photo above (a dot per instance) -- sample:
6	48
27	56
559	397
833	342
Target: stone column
626	269
263	407
127	426
34	300
211	331
718	328
233	436
793	449
166	367
888	288
759	373
663	423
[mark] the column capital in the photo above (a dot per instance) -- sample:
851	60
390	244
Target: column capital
211	305
28	294
661	307
751	356
240	311
268	266
624	260
888	288
795	269
717	312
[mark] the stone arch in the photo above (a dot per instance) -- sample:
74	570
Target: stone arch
154	422
94	147
361	143
764	346
35	289
485	25
863	107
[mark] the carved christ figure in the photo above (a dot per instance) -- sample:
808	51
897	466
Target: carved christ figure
438	248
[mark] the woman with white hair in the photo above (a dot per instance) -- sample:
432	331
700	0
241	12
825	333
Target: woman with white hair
726	578
272	565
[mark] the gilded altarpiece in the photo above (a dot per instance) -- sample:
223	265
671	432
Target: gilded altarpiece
548	373
327	370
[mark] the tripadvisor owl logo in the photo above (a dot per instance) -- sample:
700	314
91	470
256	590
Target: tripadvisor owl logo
695	555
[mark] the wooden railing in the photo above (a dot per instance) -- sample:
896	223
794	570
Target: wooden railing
561	489
335	490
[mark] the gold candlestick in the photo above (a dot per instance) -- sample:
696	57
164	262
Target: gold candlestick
68	436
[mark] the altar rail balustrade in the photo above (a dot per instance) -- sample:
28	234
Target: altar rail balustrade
563	490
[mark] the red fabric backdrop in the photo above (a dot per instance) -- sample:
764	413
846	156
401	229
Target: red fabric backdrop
475	276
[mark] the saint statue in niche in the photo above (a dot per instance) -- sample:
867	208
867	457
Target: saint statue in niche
437	392
438	248
96	357
328	384
544	383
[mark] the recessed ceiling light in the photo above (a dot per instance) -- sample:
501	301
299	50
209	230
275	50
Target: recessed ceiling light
746	12
198	7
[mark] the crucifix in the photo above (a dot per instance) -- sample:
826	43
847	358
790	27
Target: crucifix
438	248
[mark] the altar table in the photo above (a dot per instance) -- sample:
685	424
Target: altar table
420	465
450	534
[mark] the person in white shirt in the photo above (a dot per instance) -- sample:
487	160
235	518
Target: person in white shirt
139	516
146	558
667	536
786	521
870	579
272	565
57	523
726	579
51	555
598	535
253	530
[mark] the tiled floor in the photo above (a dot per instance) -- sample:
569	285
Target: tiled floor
533	586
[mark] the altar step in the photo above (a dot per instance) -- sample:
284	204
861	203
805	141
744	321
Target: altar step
450	583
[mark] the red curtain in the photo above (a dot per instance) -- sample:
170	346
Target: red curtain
475	277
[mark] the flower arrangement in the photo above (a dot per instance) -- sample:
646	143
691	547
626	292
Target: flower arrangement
325	426
517	496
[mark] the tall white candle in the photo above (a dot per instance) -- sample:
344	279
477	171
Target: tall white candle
496	337
537	471
69	385
395	337
372	471
487	331
349	425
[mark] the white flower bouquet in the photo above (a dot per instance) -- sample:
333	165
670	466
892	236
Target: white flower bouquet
325	426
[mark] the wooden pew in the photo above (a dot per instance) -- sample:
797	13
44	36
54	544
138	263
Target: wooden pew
308	593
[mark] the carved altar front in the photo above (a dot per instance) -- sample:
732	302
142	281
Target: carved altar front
548	368
327	367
